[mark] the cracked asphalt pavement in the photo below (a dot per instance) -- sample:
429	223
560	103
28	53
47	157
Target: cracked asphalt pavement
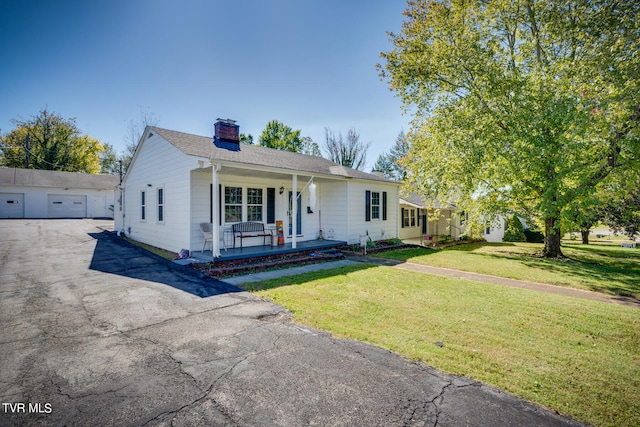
96	332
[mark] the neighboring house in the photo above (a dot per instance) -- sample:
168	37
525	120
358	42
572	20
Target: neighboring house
177	181
417	222
494	231
31	193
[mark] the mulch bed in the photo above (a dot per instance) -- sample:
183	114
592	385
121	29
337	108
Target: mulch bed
238	267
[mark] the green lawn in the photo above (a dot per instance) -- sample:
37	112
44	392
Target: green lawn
610	269
578	357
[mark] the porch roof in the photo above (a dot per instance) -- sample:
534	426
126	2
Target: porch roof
255	155
418	201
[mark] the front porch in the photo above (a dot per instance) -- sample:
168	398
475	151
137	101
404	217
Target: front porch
257	251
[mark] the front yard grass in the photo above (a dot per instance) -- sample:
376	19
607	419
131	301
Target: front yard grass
609	269
580	358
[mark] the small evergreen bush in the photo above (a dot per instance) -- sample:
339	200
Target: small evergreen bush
514	231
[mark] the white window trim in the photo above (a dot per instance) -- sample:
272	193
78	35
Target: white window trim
225	204
379	206
410	216
245	208
143	206
159	205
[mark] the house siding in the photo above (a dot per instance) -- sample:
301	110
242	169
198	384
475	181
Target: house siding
201	209
377	229
186	182
161	165
334	218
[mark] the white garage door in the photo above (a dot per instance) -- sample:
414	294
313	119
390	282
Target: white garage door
66	206
11	205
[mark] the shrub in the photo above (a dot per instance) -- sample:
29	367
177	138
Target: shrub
534	236
514	231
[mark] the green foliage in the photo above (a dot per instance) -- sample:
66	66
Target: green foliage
623	214
109	164
534	236
246	139
281	137
310	147
519	106
514	231
54	143
392	163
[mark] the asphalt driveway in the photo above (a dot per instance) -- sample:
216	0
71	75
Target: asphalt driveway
95	332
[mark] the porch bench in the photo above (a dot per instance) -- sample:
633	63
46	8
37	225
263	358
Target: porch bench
242	230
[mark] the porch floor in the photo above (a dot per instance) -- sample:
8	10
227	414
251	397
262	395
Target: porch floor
256	251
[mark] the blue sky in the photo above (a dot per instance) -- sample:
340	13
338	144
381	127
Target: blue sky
307	63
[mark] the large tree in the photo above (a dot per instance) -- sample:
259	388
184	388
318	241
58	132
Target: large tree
134	133
281	137
109	163
349	151
519	105
50	142
392	163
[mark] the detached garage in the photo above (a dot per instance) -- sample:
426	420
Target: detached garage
30	193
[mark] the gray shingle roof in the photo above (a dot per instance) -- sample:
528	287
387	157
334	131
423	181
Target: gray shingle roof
256	155
419	200
56	179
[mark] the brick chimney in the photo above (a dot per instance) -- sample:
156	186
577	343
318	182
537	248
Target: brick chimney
227	134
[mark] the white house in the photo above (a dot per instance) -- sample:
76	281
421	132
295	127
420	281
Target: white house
177	181
494	230
418	219
31	193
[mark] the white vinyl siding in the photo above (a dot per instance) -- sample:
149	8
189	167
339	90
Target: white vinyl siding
158	164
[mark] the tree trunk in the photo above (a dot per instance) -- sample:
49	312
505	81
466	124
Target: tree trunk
552	238
585	236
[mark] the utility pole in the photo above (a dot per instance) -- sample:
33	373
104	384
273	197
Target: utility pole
26	158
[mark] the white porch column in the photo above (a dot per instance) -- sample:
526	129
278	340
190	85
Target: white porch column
294	210
215	197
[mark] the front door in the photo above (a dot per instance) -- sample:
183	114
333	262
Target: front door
298	214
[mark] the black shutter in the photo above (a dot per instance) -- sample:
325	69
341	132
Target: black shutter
220	204
384	205
271	205
367	205
402	217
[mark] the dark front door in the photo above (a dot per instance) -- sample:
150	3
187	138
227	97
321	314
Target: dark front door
298	214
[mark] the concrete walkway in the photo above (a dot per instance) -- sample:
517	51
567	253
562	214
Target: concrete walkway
486	278
439	271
